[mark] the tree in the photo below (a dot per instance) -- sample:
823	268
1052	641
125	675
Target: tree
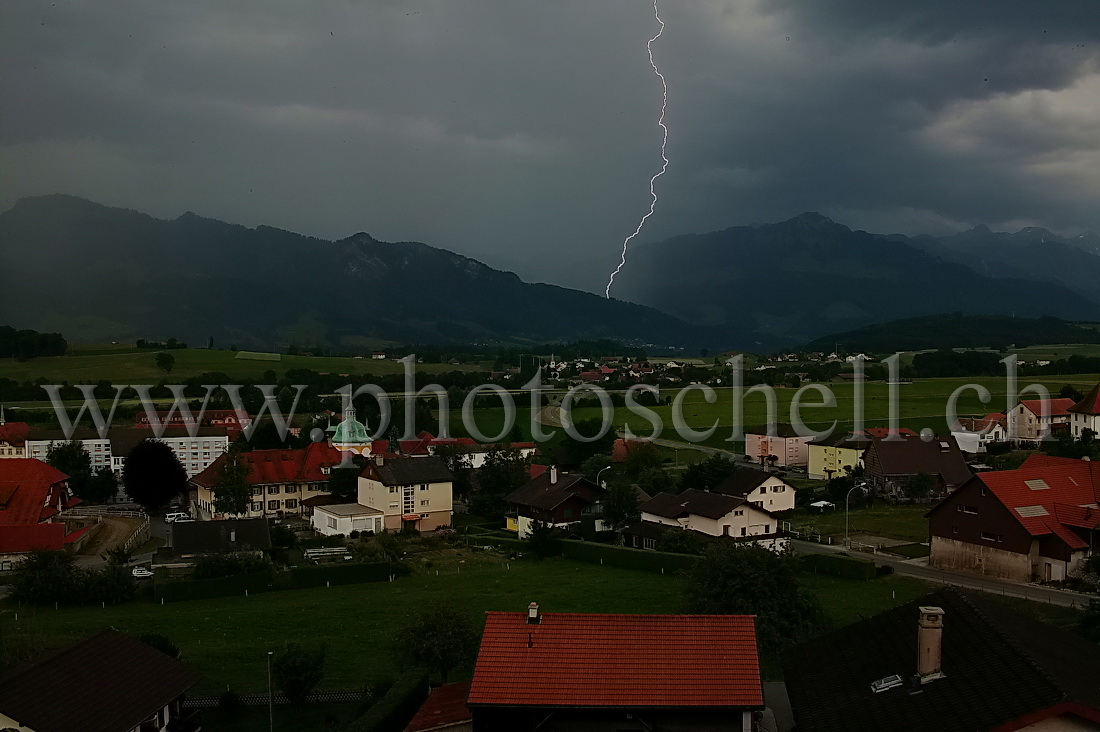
72	459
101	486
344	482
503	471
457	460
683	541
736	579
440	639
591	467
707	474
232	493
640	457
46	577
657	480
297	670
577	451
153	475
620	504
165	361
543	540
1068	392
919	486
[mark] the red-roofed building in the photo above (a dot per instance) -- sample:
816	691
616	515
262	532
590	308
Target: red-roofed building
280	479
975	433
444	709
33	499
571	671
1085	414
1038	522
13	438
1029	421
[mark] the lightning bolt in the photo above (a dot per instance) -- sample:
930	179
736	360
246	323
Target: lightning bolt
664	142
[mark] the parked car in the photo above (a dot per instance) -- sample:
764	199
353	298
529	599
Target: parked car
171	518
141	573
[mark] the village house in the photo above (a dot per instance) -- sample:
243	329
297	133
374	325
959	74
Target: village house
340	519
110	682
1038	522
411	493
1085	414
1027	422
889	464
778	445
835	456
34	499
555	499
975	434
562	672
444	709
713	514
762	489
13	438
280	480
948	661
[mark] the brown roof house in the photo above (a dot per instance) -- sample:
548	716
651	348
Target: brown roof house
891	462
1085	414
946	662
712	514
554	499
110	682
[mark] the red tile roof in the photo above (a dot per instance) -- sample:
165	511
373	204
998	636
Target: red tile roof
582	659
29	488
267	467
1072	488
19	538
1058	407
445	706
14	433
1090	403
622	448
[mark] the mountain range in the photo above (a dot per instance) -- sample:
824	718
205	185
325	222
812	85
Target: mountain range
96	273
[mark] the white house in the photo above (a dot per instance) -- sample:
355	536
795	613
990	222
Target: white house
344	518
713	514
1085	414
975	434
1027	422
411	492
763	490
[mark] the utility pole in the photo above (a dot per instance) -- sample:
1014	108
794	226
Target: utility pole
270	696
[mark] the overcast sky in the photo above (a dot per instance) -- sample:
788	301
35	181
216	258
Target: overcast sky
523	132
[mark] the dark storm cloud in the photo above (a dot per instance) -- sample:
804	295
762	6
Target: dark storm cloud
524	133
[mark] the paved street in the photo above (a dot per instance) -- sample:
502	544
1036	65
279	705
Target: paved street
919	568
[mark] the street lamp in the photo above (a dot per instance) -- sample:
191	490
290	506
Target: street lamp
598	474
862	486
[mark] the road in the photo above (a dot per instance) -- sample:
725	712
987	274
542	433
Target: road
919	568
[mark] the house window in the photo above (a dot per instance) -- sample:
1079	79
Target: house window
331	522
425	503
257	491
292	503
990	536
325	470
767	528
725	530
744	531
739	512
393	489
273	489
649	543
778	489
395	505
292	489
257	506
423	486
969	509
272	505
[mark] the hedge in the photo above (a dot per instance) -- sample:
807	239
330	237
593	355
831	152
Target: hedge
396	707
627	558
839	566
211	588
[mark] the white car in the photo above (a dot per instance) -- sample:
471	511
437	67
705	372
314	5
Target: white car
141	573
171	518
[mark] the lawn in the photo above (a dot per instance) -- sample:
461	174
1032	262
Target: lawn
902	522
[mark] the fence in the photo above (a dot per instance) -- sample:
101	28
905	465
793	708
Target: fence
139	537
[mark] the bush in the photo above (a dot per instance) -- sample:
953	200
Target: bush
297	670
392	712
230	703
213	566
46	577
838	566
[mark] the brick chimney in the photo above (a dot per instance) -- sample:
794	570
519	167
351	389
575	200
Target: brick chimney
533	614
930	644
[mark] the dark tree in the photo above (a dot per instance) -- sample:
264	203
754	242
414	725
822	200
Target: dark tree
592	467
72	459
440	639
683	541
153	475
457	459
297	670
543	540
1089	623
165	361
504	471
1068	392
657	480
641	456
45	577
232	493
919	486
736	579
577	451
620	504
344	482
707	474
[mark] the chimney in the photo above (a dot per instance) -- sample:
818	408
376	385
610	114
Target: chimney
379	460
930	644
553	474
533	614
232	536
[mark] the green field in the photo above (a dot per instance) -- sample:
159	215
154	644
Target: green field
130	366
902	522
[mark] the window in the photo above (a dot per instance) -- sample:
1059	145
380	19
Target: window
424	502
990	536
272	489
325	470
423	486
767	528
272	505
395	504
292	489
744	531
292	503
739	512
649	543
257	506
257	491
969	509
778	488
331	522
393	489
